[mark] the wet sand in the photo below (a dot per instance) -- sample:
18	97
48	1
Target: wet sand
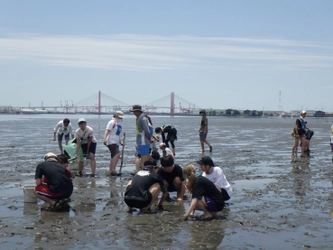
276	204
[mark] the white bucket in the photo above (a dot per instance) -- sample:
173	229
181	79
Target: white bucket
29	194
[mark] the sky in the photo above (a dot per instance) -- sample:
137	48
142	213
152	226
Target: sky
258	54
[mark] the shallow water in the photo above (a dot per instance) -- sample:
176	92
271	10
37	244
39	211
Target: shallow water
276	204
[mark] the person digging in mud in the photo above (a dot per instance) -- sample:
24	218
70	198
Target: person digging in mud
143	190
53	182
205	195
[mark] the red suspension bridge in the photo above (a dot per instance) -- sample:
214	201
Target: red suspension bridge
101	103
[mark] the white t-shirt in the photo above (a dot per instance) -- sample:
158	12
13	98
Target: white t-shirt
61	129
83	135
114	135
167	152
219	179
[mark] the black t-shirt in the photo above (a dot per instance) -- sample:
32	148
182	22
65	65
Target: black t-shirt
301	126
141	183
57	178
204	187
169	177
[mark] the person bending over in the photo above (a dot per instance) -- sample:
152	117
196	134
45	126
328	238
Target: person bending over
143	190
53	182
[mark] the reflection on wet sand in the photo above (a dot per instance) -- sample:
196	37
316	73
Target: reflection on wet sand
85	200
302	178
205	235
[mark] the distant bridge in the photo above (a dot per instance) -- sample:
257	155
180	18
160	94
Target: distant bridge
101	103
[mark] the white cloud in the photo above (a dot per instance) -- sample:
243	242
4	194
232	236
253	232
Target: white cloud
156	53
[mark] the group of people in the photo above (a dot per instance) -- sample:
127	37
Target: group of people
302	134
54	181
209	190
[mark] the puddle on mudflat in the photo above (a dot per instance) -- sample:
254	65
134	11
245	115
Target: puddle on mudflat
252	184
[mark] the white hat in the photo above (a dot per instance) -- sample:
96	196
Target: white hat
119	114
156	137
303	112
50	155
81	120
162	144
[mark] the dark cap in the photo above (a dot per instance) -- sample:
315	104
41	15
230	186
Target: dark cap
206	160
136	108
202	111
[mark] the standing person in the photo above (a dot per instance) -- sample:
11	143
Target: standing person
172	175
300	134
143	136
63	129
171	136
143	190
308	135
112	140
150	125
85	139
215	175
203	131
205	195
53	183
331	140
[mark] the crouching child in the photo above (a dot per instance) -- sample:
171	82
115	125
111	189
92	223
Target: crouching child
143	190
53	182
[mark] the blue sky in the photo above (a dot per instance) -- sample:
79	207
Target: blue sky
214	54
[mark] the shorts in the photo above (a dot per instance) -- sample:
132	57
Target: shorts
301	132
114	149
171	187
84	148
138	203
171	138
225	194
210	204
143	149
61	135
44	190
202	136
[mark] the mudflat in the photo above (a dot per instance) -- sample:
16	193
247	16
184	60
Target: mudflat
277	203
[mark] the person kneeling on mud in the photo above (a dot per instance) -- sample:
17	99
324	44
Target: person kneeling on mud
143	190
53	182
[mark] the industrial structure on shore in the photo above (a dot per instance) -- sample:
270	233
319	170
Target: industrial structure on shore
163	106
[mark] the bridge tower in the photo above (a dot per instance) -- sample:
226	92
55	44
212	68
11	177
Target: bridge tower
99	102
172	103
